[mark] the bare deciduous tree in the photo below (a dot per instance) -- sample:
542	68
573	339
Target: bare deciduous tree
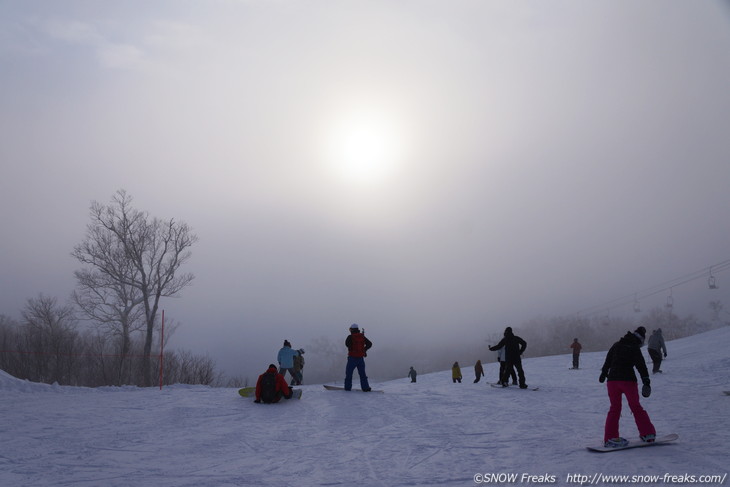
133	251
115	308
52	337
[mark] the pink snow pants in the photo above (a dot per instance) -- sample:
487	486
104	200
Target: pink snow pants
617	388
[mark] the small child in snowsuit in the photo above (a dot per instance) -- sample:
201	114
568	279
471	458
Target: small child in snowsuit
456	373
478	371
412	374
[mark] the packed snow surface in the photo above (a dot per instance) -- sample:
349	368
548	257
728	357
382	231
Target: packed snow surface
433	432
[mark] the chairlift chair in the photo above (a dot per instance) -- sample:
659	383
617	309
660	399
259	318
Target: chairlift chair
711	282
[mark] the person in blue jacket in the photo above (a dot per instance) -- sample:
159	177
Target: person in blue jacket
286	360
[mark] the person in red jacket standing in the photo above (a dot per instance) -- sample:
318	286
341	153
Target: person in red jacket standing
357	348
272	386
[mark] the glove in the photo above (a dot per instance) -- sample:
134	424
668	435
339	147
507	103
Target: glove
665	355
646	390
646	381
602	378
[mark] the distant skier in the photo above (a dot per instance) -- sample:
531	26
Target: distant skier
576	346
271	387
514	348
656	347
478	371
357	348
621	359
286	360
412	374
456	373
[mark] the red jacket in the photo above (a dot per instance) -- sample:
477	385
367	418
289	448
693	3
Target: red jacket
357	345
281	384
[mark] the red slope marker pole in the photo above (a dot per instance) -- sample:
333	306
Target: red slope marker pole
162	342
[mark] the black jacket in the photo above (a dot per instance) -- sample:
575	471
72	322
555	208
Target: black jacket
513	347
621	359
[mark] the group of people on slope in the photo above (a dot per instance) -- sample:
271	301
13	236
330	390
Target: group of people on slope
509	355
617	371
271	386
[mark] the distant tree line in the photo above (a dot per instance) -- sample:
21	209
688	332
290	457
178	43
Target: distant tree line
48	345
130	261
552	336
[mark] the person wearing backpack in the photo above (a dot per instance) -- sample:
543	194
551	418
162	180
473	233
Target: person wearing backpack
272	386
298	366
357	349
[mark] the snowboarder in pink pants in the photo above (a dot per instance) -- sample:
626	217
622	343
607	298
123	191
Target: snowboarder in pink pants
621	359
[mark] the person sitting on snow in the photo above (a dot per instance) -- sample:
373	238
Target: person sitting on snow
272	386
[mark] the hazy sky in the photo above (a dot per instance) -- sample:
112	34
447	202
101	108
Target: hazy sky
420	167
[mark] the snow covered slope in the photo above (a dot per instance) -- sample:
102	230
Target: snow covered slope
433	432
